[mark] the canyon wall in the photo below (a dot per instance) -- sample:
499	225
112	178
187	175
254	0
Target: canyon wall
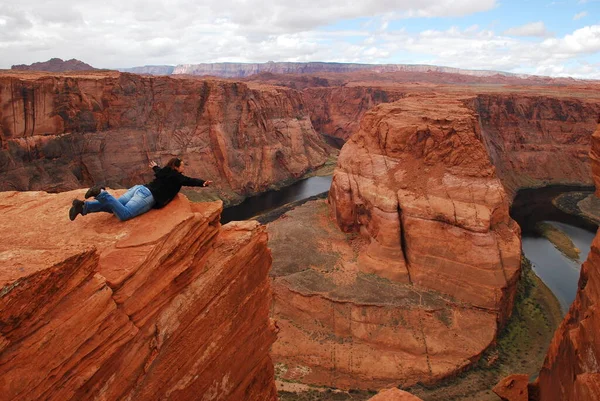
425	73
338	111
537	140
523	133
60	132
571	371
155	308
238	70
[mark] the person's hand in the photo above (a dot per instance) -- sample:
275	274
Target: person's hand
207	183
153	164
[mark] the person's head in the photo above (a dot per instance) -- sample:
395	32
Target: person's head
176	164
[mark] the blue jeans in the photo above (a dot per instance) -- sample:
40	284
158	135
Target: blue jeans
137	200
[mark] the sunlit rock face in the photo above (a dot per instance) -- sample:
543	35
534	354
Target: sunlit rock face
65	131
154	308
417	181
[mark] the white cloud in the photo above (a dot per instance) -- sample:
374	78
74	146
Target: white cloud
483	49
580	15
120	33
583	41
532	29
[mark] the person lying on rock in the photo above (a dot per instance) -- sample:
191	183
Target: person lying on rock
140	198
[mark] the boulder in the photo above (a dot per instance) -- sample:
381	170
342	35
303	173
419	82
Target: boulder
513	388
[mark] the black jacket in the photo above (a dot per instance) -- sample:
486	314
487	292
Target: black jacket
167	183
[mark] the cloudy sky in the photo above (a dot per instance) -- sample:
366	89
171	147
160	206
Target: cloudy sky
556	38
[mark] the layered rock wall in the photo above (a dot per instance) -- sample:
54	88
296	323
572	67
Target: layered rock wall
68	131
156	308
537	140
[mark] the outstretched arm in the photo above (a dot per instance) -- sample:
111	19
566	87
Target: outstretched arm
193	182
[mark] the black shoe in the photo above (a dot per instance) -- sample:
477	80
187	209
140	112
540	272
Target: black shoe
76	209
93	191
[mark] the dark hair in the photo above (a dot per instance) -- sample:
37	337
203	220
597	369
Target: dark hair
174	162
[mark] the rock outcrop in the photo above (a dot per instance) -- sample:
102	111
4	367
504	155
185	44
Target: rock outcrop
345	328
394	394
513	388
55	65
424	277
61	132
155	308
417	181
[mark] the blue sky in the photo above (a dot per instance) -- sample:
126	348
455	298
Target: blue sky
560	38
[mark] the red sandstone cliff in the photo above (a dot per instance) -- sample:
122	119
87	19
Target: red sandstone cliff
571	371
168	306
61	132
534	137
417	181
537	140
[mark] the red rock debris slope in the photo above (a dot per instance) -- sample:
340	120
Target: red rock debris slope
167	306
65	131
